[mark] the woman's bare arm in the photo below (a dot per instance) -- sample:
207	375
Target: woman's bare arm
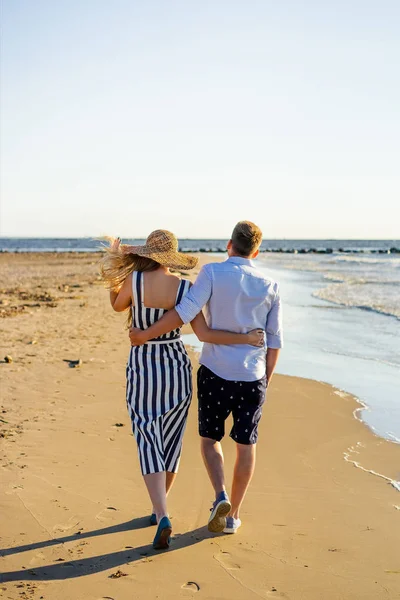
217	336
122	299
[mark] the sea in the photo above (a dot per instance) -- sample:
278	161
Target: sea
341	303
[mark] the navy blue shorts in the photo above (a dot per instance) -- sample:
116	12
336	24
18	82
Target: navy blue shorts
219	397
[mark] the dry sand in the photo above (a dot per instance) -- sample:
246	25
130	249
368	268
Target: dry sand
73	505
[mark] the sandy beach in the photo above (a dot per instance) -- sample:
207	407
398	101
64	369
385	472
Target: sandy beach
320	521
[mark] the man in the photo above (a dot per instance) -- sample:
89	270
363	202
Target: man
231	379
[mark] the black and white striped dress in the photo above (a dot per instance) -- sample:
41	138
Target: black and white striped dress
159	387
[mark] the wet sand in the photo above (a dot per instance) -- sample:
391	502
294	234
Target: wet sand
72	502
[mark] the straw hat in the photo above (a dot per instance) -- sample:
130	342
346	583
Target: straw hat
162	246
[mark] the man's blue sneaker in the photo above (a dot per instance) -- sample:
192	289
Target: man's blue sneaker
220	509
163	536
232	525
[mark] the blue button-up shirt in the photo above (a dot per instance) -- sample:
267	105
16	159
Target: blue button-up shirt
237	297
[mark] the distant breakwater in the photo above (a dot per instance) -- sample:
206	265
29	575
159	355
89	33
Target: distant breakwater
303	250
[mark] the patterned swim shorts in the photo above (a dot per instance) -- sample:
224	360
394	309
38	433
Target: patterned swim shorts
219	397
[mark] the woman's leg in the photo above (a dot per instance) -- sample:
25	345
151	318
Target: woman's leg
156	486
156	482
171	428
169	481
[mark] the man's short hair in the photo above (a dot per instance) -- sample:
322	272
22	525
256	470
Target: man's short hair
246	238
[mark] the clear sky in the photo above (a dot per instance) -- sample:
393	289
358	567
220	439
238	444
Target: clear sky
122	116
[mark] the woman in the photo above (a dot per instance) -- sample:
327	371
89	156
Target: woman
159	381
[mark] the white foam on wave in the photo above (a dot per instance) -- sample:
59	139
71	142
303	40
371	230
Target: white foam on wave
341	393
369	260
370	283
349	459
379	297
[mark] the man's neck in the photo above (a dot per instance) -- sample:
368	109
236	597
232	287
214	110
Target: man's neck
233	255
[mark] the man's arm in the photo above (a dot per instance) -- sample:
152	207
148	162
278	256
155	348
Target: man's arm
186	311
217	336
272	359
274	334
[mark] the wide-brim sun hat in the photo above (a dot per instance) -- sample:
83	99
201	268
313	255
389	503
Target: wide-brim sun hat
162	246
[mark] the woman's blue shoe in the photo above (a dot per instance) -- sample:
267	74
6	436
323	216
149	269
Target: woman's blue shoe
153	519
163	535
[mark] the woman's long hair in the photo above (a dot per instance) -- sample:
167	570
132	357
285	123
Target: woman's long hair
117	264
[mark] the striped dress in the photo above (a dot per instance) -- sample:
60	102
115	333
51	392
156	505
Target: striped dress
159	387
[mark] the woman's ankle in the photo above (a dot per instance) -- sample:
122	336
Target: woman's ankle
161	515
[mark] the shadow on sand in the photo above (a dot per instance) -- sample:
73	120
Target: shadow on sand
102	562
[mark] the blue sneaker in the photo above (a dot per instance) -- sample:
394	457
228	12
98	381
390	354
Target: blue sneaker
163	536
153	519
232	525
221	507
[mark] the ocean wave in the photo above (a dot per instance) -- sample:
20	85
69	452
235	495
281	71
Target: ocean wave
364	295
362	357
392	261
360	282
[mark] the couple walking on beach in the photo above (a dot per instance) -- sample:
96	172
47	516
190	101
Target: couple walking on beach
242	334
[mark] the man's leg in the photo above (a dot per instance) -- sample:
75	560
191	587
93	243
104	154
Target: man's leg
242	475
214	407
246	413
214	462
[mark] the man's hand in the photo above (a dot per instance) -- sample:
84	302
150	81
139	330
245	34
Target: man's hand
137	336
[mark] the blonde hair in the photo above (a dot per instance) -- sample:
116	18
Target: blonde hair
246	238
117	264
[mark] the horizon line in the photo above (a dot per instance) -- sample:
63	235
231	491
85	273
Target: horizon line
205	239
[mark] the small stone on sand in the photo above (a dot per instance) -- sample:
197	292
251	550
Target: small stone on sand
118	574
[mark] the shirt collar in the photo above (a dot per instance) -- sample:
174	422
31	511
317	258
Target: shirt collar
239	260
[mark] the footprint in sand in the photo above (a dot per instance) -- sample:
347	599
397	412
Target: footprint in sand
274	593
64	527
191	585
225	559
106	513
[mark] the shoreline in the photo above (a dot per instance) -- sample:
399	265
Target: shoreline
359	408
357	412
353	350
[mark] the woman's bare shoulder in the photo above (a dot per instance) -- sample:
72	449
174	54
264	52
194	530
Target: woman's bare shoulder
128	280
175	276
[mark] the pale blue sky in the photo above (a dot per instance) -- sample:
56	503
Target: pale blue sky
121	117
